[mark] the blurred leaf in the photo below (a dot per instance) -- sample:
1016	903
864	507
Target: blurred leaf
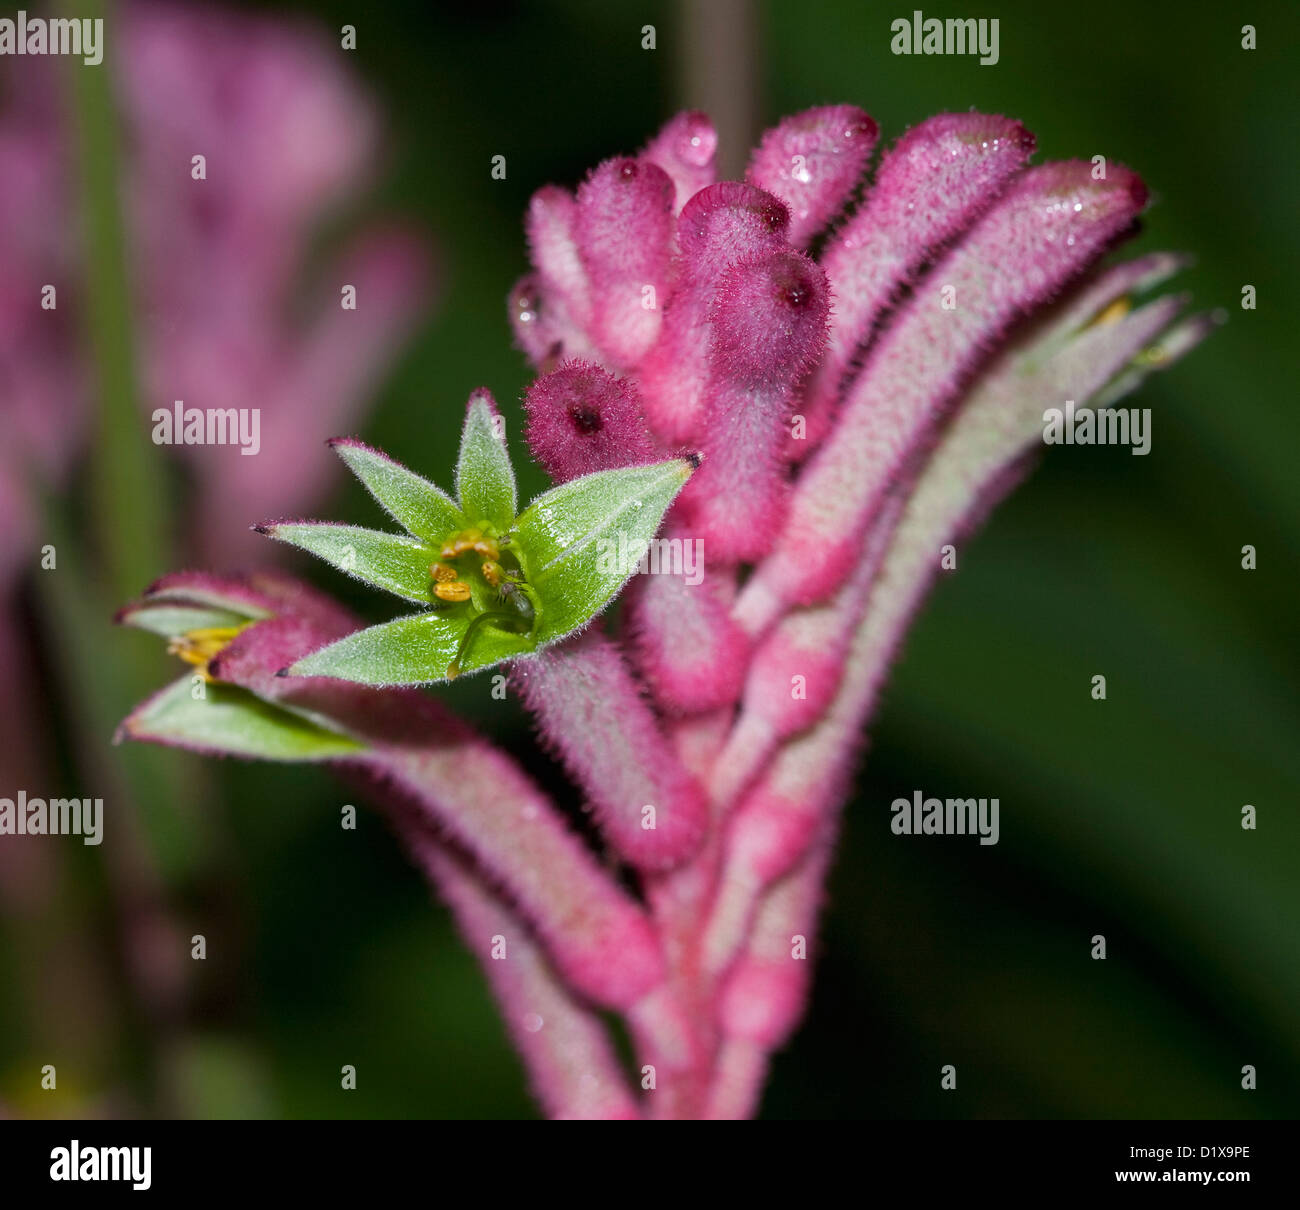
170	621
232	722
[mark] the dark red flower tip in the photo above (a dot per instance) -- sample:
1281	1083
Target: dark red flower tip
582	418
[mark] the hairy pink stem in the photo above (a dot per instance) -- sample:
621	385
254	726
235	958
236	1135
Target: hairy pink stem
1052	224
797	669
687	647
699	738
672	1055
678	900
571	1065
420	755
931	185
591	711
739	1075
974	463
763	997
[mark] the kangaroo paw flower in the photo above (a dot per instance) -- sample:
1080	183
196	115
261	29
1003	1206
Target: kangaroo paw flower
812	429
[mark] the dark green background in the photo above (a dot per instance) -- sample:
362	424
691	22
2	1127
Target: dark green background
1120	817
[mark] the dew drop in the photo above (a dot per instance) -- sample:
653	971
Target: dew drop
526	309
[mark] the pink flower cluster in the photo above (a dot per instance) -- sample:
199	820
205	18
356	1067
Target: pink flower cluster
856	412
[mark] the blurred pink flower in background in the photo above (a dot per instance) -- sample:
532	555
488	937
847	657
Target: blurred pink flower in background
234	305
219	265
288	138
42	380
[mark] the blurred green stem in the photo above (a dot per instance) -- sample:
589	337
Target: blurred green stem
156	844
128	498
128	495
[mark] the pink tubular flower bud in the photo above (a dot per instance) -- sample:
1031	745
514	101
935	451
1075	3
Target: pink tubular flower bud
769	321
625	235
551	226
769	325
811	161
1046	231
582	418
550	309
931	185
726	224
721	226
685	149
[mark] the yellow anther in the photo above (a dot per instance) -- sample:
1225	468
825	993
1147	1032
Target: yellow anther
1113	313
470	540
455	590
197	647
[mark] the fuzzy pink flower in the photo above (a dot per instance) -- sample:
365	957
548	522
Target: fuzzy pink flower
810	453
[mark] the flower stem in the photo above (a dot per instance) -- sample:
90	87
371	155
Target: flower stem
127	489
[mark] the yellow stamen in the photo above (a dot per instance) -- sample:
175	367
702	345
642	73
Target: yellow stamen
197	647
1113	313
457	591
1153	355
467	540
